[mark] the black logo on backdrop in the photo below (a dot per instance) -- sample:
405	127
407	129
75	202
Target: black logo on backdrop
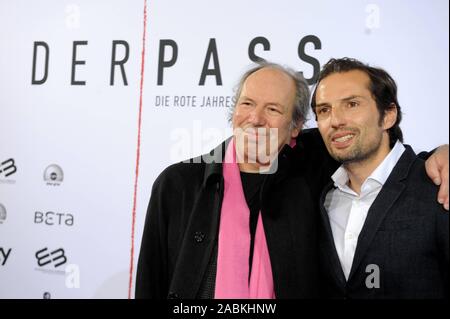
51	218
4	255
47	295
7	168
55	258
53	175
2	214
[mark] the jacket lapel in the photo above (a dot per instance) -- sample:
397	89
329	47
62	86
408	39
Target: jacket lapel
388	195
327	244
278	238
201	231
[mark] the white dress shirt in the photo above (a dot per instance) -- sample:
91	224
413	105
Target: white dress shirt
347	210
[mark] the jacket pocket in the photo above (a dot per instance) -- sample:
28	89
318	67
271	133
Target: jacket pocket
402	224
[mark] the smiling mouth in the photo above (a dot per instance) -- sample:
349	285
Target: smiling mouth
342	141
257	133
343	138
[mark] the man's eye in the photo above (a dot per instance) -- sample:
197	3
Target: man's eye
274	111
322	110
353	104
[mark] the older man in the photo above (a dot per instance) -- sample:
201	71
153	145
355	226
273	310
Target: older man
222	229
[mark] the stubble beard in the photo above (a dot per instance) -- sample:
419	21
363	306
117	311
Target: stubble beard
359	152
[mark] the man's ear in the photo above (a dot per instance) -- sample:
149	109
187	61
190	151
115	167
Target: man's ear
390	116
296	130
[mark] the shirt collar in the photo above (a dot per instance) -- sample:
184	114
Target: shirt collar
382	172
379	175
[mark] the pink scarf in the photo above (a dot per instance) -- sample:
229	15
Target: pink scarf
234	243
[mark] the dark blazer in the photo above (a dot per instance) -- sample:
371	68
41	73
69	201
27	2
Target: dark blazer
406	234
181	229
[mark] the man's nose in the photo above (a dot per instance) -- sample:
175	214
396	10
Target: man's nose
257	117
338	117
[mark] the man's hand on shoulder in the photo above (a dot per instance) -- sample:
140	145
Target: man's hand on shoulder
437	169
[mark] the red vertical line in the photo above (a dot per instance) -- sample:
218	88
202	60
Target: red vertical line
138	152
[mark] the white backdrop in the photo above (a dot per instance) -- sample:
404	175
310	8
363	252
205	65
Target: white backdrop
77	162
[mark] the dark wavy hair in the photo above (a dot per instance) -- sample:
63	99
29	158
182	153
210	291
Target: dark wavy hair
382	86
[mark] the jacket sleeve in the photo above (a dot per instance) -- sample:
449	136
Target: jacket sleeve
314	161
152	269
442	220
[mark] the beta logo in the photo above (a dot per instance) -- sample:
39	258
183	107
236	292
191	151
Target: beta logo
52	219
2	214
53	175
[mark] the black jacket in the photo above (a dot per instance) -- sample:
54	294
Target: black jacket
406	234
181	228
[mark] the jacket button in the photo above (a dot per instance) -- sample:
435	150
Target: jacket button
173	295
199	236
